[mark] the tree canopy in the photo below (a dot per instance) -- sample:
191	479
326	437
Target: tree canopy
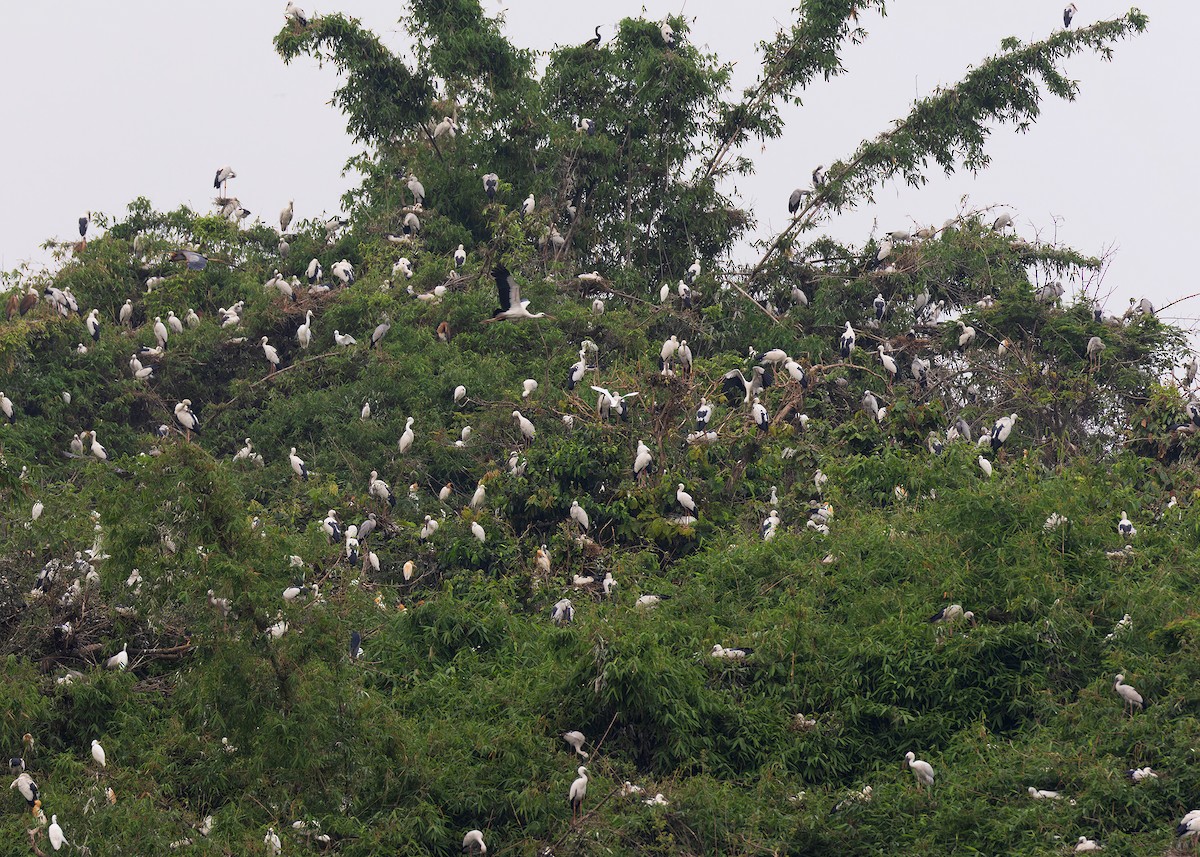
828	528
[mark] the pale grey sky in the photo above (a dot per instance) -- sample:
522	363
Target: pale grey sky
105	105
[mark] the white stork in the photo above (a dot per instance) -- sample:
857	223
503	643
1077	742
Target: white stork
508	291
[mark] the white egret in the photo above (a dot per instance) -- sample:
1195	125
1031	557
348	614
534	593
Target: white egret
923	771
967	336
527	429
478	531
344	339
528	388
406	439
1133	699
120	660
98	754
1083	844
1043	794
479	496
57	839
985	466
579	515
460	394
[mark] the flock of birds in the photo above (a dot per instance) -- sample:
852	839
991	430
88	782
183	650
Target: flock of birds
675	357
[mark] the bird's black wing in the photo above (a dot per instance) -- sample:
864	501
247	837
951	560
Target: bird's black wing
768	377
733	384
355	640
938	616
794	200
505	287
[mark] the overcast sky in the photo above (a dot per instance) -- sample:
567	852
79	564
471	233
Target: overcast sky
106	105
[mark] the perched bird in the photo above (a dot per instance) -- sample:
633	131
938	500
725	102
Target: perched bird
270	353
967	336
473	841
93	324
1083	844
460	257
796	199
478	531
719	651
7	408
985	466
1189	825
98	754
509	292
295	13
703	415
846	343
298	466
1125	527
1001	430
642	460
1132	698
563	612
25	786
577	792
120	660
344	339
527	429
223	175
528	388
692	273
1068	16
160	332
380	332
686	501
304	331
490	182
528	205
186	417
923	771
1043	794
880	307
576	740
55	833
406	439
580	516
758	413
416	189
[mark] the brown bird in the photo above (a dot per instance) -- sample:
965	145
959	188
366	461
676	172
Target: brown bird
14	302
443	331
29	301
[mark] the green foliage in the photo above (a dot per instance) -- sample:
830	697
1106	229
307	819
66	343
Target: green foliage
452	719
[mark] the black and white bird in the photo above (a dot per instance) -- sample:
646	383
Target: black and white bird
298	465
380	331
379	489
577	792
846	343
186	417
1069	14
563	612
528	205
295	13
692	273
460	257
1001	430
223	175
686	501
797	199
25	786
332	527
508	290
880	307
93	324
871	404
818	176
1125	527
739	390
758	413
491	181
611	402
703	415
